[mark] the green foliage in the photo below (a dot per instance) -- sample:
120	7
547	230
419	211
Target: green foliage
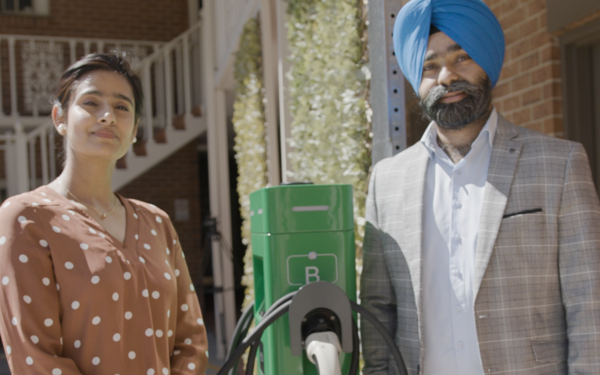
249	126
329	89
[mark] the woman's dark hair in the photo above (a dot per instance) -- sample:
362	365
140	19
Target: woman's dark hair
112	62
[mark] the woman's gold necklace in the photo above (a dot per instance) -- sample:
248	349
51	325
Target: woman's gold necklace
102	215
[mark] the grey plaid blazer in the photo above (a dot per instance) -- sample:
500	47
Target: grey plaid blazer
537	276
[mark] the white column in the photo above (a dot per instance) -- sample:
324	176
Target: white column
268	19
218	171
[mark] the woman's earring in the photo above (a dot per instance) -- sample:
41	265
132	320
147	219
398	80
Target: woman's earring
61	129
134	140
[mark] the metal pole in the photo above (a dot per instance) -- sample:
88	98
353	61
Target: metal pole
387	82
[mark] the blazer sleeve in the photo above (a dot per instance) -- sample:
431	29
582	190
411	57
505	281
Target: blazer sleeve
376	291
190	353
579	263
30	321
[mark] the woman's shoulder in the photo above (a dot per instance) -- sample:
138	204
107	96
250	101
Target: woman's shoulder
26	202
150	210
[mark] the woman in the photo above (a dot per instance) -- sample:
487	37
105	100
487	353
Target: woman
92	282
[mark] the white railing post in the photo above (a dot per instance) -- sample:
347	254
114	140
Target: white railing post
168	87
10	165
13	77
179	76
72	51
21	160
52	154
44	154
32	168
148	126
187	77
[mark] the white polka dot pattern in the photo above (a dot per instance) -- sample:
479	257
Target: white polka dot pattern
96	302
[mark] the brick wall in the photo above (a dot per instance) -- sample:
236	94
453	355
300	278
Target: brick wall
529	91
175	178
158	20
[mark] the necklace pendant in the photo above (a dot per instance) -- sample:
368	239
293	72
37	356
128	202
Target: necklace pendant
103	216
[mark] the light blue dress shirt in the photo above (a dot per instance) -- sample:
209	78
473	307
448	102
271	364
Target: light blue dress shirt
453	201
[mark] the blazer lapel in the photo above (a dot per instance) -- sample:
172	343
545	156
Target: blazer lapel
412	202
503	163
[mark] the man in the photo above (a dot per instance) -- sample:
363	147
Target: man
482	245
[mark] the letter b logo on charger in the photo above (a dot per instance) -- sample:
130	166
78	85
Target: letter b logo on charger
304	269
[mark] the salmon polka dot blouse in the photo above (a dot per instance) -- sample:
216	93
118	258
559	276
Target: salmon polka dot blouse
74	300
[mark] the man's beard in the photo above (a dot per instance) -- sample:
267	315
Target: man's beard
457	115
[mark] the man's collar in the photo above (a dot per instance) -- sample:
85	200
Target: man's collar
429	138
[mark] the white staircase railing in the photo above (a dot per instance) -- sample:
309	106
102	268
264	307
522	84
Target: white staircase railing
171	117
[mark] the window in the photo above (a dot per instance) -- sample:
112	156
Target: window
25	7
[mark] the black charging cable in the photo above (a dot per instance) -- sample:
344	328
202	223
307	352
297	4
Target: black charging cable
277	310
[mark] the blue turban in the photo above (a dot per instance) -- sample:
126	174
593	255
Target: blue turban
470	23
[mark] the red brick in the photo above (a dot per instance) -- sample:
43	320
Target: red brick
521	82
532	96
529	28
529	62
513	18
537	6
522	117
512	103
501	90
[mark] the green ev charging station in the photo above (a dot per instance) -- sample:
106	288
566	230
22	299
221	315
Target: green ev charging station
300	234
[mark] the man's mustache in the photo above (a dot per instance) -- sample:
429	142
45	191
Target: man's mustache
437	93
